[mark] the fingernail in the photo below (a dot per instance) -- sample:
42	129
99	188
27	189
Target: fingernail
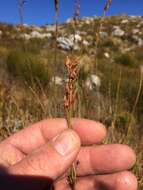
66	142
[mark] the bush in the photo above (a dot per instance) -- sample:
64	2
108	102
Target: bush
85	68
111	43
126	59
139	54
3	51
123	119
34	45
28	67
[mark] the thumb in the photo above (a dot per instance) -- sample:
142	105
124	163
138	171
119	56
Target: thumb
52	159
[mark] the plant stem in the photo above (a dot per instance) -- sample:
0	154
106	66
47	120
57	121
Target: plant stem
72	170
69	101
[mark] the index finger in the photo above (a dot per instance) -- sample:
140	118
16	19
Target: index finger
30	138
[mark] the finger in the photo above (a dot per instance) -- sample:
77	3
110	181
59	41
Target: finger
36	135
119	181
105	159
52	159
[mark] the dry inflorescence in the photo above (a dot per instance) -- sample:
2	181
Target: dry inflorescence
107	5
56	5
69	100
21	4
56	14
77	10
70	94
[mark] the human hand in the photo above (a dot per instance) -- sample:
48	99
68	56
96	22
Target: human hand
41	154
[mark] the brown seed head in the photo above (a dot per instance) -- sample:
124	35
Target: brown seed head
70	89
56	5
107	5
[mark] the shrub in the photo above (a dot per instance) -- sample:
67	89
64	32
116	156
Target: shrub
123	119
3	51
28	67
85	68
111	43
126	59
139	53
35	45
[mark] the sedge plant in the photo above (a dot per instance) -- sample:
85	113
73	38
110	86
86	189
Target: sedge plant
21	4
69	101
76	16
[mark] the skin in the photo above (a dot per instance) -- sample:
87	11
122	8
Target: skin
31	155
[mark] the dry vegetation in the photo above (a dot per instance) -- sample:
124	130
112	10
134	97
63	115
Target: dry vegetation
32	83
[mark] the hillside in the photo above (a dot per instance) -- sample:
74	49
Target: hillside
124	32
32	75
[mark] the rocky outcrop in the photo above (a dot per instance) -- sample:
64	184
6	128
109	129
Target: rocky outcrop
118	32
65	43
57	80
35	34
92	82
